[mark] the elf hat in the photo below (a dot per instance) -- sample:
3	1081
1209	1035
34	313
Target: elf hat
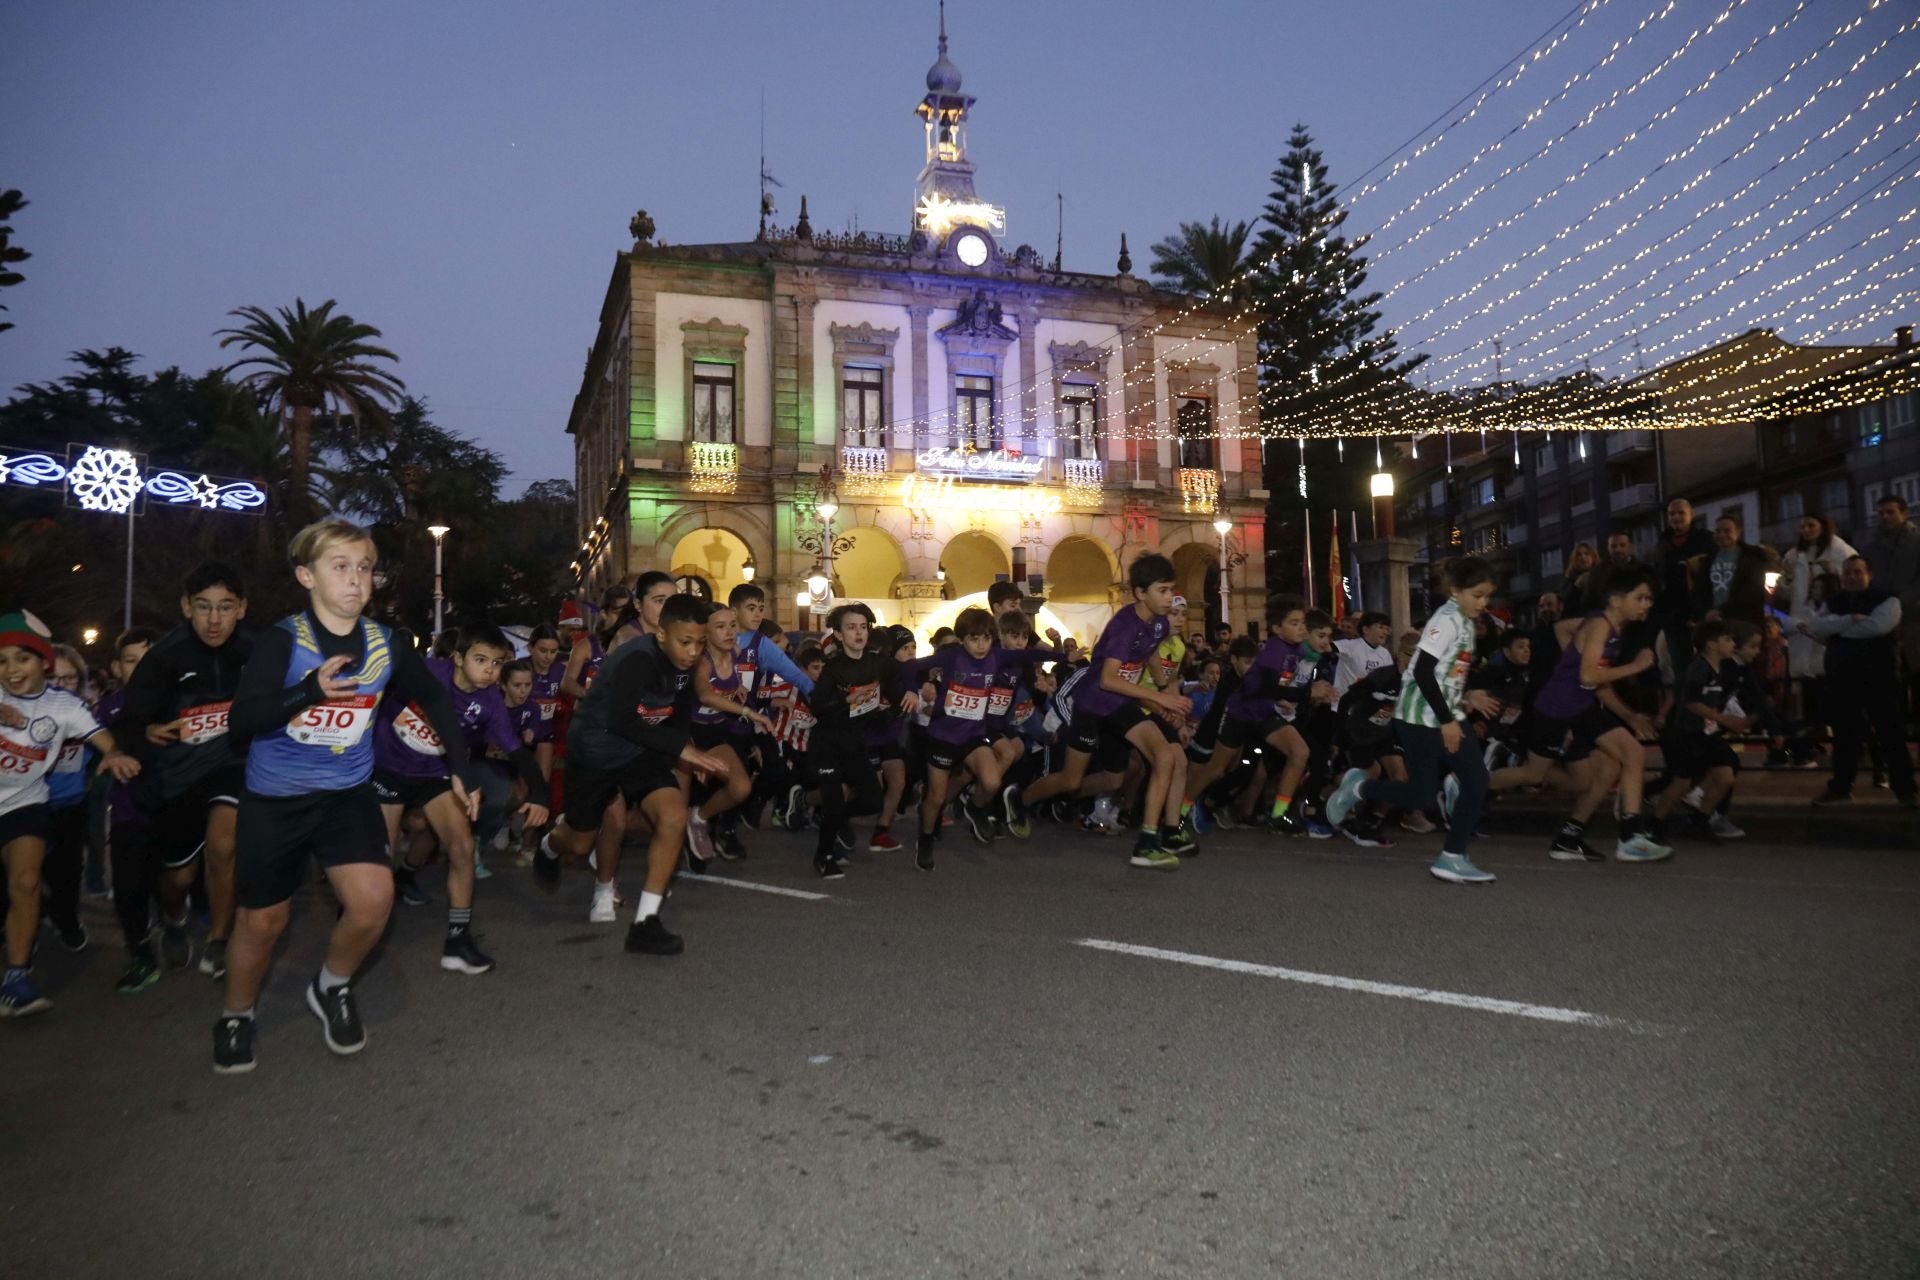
23	629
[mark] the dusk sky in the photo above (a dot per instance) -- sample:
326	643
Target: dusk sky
461	176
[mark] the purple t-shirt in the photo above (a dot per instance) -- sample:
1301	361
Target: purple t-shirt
544	701
404	743
1281	664
967	688
1130	642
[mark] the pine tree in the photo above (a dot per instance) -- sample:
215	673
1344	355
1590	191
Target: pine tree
1324	357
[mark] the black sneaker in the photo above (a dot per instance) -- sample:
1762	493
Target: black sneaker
650	938
339	1015
463	955
407	889
546	864
729	845
754	813
73	934
923	854
1566	848
233	1046
980	824
1830	796
1287	824
843	838
828	868
176	945
1182	845
142	972
213	958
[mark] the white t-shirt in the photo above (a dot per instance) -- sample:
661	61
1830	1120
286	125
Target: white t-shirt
29	750
1358	660
1449	638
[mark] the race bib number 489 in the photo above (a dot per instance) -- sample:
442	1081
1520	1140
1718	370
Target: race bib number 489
337	723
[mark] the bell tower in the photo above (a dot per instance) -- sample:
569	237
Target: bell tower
944	197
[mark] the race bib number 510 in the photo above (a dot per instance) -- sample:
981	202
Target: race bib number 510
337	723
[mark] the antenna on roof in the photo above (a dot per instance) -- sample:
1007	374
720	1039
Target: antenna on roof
1060	227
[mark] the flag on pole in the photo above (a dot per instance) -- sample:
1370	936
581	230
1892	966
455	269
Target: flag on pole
1336	583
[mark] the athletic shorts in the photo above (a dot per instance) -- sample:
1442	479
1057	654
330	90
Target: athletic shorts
835	764
1104	737
22	823
1368	754
706	735
1236	733
406	790
1694	755
180	827
589	791
878	753
1570	741
942	754
277	834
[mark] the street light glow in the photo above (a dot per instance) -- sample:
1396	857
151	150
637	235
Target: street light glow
1383	484
439	531
1223	527
827	509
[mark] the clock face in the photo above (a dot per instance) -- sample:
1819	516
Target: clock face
971	248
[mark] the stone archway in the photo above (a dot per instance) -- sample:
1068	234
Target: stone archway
870	567
972	560
710	556
1081	570
1196	568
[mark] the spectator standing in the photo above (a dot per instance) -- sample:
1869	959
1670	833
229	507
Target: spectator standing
1684	547
1731	583
1546	645
1892	551
1575	589
1860	635
1817	551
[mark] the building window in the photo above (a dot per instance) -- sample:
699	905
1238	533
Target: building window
1482	491
1437	495
1194	419
1079	421
861	422
973	421
1900	411
1789	505
1551	562
712	403
1833	497
1872	425
1907	487
1544	460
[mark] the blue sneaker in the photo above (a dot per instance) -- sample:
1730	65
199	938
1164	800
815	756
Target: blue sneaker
1345	796
1457	868
19	997
1641	848
1449	796
1318	830
1201	820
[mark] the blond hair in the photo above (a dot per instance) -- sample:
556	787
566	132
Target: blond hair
312	542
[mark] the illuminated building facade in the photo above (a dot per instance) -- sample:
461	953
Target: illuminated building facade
960	410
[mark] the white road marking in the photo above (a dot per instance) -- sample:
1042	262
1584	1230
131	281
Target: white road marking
1427	995
782	890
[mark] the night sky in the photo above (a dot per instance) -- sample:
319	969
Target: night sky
461	176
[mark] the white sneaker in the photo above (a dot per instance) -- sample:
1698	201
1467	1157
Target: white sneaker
1721	825
1106	814
1694	797
480	869
603	910
1641	848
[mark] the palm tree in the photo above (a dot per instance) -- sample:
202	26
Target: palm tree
305	361
1204	258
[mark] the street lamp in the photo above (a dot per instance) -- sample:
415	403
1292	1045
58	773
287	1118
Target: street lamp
439	532
748	569
1381	490
90	636
1223	527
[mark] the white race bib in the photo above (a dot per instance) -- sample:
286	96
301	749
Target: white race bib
966	704
204	724
338	723
417	735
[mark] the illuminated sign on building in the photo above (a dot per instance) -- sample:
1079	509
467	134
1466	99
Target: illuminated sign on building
967	463
918	493
937	215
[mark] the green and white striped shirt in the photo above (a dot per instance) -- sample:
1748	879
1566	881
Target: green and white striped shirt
1449	638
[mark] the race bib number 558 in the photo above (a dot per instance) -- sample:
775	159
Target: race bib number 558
337	723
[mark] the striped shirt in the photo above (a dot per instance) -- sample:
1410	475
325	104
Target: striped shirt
1449	638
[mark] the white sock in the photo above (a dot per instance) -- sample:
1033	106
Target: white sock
649	906
330	981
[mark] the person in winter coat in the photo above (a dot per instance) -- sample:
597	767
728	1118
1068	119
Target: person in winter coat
1818	551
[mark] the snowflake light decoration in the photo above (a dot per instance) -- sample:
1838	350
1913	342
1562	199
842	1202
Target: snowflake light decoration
105	479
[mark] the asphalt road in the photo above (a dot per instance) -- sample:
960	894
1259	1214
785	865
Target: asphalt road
928	1075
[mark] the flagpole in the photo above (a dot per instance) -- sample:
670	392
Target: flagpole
1306	566
1359	605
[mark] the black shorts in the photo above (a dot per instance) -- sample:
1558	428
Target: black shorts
878	753
30	821
277	834
408	791
1365	755
1236	733
838	763
707	736
1572	740
1104	737
589	791
1694	755
942	754
180	826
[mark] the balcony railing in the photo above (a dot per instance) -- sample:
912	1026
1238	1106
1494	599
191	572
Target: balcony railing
1621	443
1084	477
1633	497
863	470
1199	490
1517	535
715	467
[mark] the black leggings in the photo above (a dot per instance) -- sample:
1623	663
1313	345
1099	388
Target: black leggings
1424	752
849	774
135	873
65	861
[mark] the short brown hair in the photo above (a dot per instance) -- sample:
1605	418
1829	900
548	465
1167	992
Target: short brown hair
312	542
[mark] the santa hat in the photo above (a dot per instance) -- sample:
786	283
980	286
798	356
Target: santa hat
28	632
570	615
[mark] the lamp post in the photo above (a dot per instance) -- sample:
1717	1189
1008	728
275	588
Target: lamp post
824	547
439	532
1223	527
748	569
1381	489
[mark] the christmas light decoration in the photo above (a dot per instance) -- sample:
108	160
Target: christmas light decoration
715	467
114	481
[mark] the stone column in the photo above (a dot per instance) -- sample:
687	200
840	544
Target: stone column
918	315
1384	566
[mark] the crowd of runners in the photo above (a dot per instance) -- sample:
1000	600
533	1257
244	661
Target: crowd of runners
226	762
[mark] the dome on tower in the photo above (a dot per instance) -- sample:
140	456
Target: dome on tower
943	76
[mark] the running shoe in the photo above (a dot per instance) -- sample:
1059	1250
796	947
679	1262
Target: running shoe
843	839
546	863
979	824
1640	847
1183	845
407	888
1449	796
176	944
790	812
1286	824
753	812
728	844
828	868
1417	822
1345	796
1148	853
882	842
1721	825
605	910
462	954
142	972
481	871
339	1015
1830	796
923	854
1693	798
1365	837
1105	817
1566	848
1224	817
232	1046
1199	819
650	938
699	837
1016	821
19	997
213	958
73	934
1318	830
1457	868
1062	811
